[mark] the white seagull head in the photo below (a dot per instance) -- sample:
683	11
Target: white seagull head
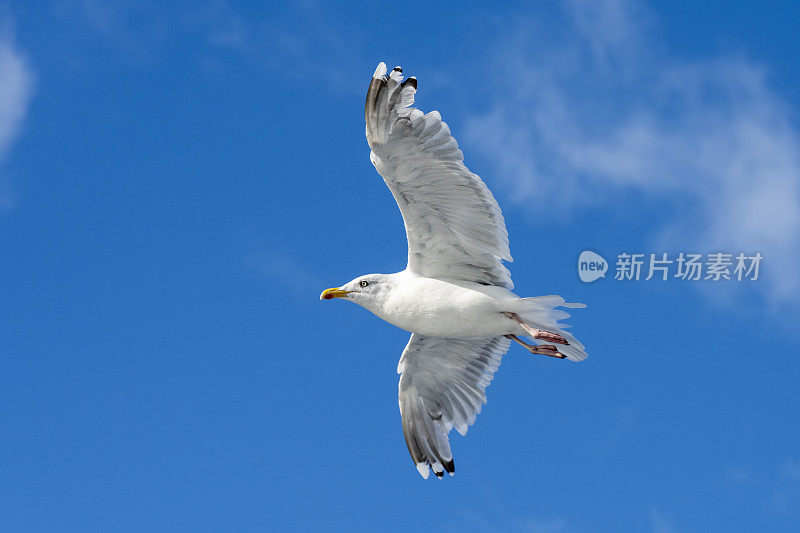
368	291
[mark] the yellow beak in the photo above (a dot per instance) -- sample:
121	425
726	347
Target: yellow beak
334	292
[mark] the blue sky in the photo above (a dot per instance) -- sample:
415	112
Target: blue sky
179	182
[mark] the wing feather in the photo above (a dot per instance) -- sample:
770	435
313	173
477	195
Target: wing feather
442	386
455	228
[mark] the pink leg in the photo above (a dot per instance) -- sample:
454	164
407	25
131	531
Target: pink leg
541	349
537	333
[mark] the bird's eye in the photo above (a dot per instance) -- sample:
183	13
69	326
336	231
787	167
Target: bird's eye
364	283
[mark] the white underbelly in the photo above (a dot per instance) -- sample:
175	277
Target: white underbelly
449	309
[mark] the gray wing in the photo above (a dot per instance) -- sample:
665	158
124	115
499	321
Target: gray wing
454	226
442	386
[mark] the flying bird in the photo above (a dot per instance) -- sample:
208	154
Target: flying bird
455	294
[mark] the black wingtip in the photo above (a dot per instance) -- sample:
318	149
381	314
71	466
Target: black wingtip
398	69
450	467
410	81
440	475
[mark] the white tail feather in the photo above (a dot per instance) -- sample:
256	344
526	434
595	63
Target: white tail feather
540	312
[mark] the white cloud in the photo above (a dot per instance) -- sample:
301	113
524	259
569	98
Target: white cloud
296	40
791	469
659	523
284	271
594	112
496	516
304	42
16	83
537	525
784	501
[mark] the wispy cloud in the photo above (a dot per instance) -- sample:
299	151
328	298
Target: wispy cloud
16	86
595	112
536	525
784	500
506	519
283	270
772	489
297	39
303	42
659	523
791	469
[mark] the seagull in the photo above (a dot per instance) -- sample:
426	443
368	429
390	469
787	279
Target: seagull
454	296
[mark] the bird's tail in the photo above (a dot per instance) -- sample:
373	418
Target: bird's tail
540	312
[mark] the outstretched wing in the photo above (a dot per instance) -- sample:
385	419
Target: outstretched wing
454	226
442	386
